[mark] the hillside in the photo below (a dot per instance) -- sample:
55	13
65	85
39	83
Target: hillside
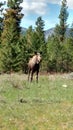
48	32
23	30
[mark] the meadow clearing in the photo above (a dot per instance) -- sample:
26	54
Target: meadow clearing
46	105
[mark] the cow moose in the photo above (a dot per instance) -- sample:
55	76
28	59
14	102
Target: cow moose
33	66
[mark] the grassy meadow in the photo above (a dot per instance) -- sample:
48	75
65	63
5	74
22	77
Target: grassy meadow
47	105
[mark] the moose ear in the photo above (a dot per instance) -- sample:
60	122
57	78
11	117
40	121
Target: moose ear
35	52
41	52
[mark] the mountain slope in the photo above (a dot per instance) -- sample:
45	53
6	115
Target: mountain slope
48	32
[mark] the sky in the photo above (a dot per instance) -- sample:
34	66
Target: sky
49	10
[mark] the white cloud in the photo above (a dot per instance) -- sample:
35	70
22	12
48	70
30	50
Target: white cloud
70	4
3	1
37	6
40	6
53	1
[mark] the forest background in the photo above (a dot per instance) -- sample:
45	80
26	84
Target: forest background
16	47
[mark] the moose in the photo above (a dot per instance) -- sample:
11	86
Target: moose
33	66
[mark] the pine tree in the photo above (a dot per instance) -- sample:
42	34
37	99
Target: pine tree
53	54
11	36
24	54
39	43
60	29
1	19
39	37
71	32
40	34
29	37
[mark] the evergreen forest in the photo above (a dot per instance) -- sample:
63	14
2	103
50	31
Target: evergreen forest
16	48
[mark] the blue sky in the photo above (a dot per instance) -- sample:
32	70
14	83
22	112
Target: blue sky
48	9
50	17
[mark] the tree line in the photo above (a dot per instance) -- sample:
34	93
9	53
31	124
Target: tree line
16	48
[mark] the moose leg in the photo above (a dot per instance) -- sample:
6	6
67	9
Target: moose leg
31	76
37	72
37	76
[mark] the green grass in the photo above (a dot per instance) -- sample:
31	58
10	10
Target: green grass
46	105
